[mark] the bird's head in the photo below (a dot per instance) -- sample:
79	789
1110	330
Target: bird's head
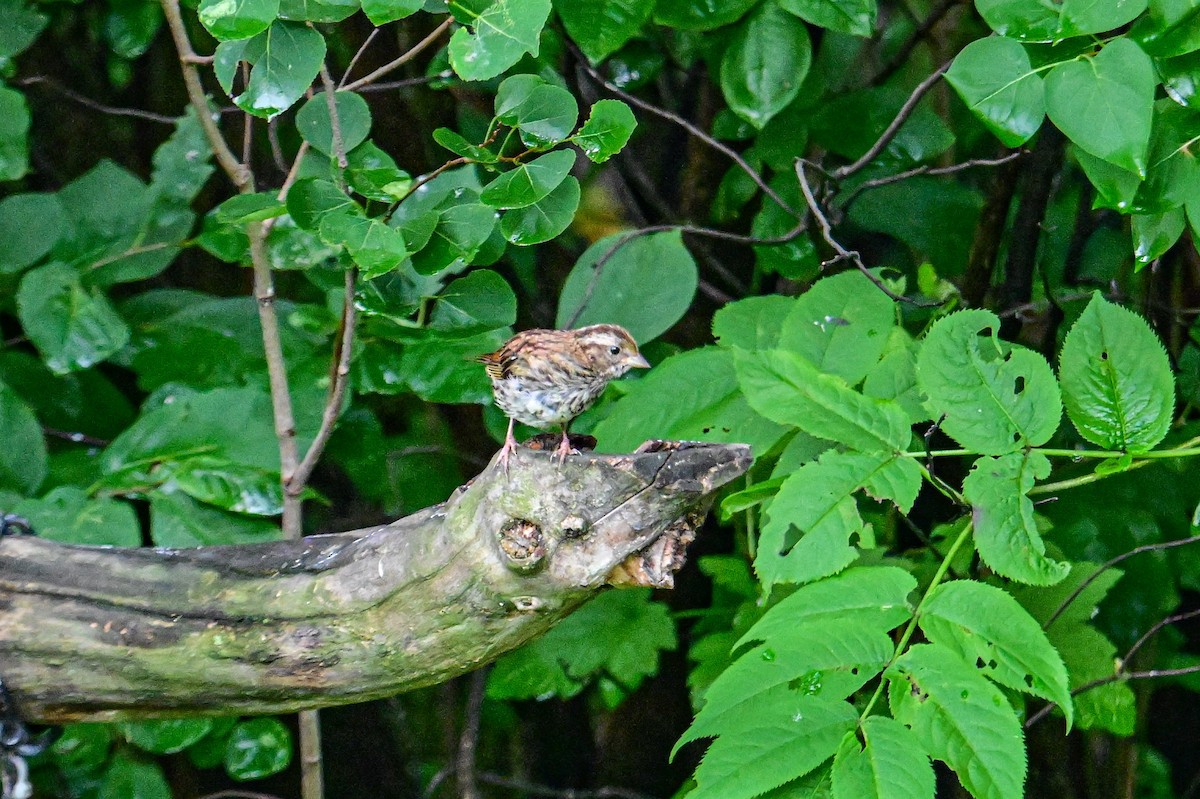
610	349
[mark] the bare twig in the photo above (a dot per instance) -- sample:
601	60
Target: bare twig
875	183
402	60
75	437
1160	624
894	126
388	85
923	30
362	48
87	102
140	249
468	742
335	122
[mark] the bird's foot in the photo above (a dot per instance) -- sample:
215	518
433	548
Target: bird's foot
564	449
510	446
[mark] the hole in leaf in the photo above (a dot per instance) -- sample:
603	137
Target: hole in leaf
1029	680
1104	355
1019	386
964	694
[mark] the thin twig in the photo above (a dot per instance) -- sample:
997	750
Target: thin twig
87	102
312	776
1120	676
894	126
75	437
140	249
335	122
468	742
362	48
922	31
387	85
402	60
1159	625
875	183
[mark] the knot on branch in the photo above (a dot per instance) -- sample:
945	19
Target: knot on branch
523	545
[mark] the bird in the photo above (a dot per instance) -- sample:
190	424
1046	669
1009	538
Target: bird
544	378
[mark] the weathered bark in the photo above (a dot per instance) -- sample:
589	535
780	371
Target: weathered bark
94	633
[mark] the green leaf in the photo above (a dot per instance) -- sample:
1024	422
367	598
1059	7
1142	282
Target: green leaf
711	409
72	327
529	182
606	131
1181	78
995	79
1177	32
460	231
891	764
643	283
690	15
286	58
381	12
237	19
480	301
602	27
1173	176
21	27
503	32
437	369
753	323
14	134
1006	534
1154	234
984	625
618	634
818	500
895	377
130	26
30	224
67	515
317	10
373	173
127	778
375	247
231	486
455	143
961	719
243	208
1116	379
544	114
23	459
165	736
856	17
1030	20
1105	103
83	747
315	125
996	398
312	199
544	219
787	388
841	325
258	748
177	520
764	65
776	740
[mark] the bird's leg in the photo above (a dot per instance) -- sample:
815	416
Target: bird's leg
564	446
510	446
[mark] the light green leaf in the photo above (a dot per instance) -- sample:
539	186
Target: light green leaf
237	19
1181	78
315	125
14	134
1006	534
985	625
690	15
455	143
895	376
30	224
72	327
601	27
381	12
480	301
373	173
544	219
375	247
23	459
1176	28
643	283
460	230
529	182
69	516
606	131
1173	175
841	325
818	500
258	748
1116	379
242	208
127	778
996	398
753	323
856	17
21	27
225	484
1030	20
165	736
892	764
996	80
961	719
286	58
764	65
786	388
499	36
177	520
1105	103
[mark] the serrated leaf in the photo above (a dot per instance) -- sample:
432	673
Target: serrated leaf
543	219
841	325
1116	378
996	398
856	17
765	63
607	130
237	19
72	327
601	27
23	459
69	516
787	388
985	625
528	183
503	32
1006	534
753	323
1105	104
997	82
895	377
818	500
961	719
316	125
381	12
892	764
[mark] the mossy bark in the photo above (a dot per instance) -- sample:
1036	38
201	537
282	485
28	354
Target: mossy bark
93	633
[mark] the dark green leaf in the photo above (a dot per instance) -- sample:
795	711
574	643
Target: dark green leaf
375	247
1031	20
83	747
996	81
166	736
1154	234
128	778
21	27
80	401
500	34
1105	103
243	208
601	27
312	199
1176	30
460	231
354	118
643	283
228	485
72	327
996	398
182	165
455	143
286	58
530	182
1173	176
480	301
1116	379
131	25
258	748
67	515
237	19
1181	78
177	520
30	224
1006	534
317	10
856	17
890	765
545	116
606	131
764	65
14	134
23	457
209	751
437	369
704	15
544	219
381	12
372	173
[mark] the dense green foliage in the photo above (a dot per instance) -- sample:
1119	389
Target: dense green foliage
889	606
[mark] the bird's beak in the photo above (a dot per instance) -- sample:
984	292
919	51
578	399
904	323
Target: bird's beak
639	362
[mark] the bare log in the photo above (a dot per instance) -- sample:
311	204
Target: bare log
103	634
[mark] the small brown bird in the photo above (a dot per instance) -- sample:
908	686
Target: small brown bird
547	377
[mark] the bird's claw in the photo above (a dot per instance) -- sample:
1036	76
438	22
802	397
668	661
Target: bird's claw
564	449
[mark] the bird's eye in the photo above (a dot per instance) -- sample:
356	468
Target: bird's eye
614	350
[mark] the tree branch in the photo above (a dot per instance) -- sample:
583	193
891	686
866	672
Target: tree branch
399	62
